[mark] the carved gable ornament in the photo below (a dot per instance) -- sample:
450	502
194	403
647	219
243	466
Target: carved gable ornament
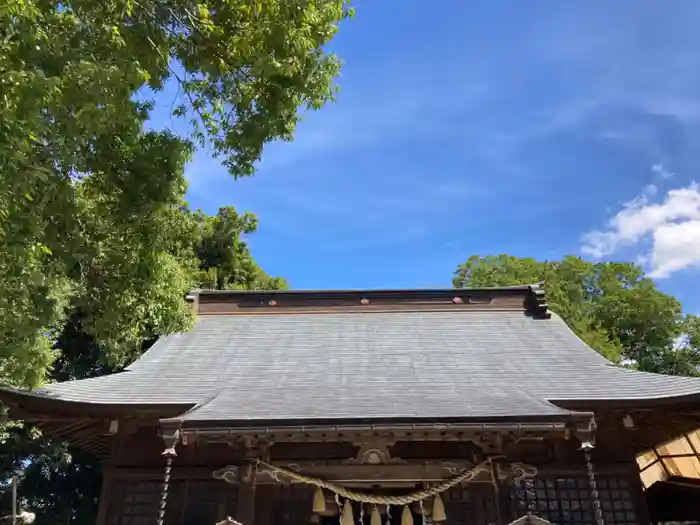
529	519
374	450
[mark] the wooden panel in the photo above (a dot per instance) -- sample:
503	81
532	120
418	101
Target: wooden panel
208	502
283	504
134	503
316	451
434	449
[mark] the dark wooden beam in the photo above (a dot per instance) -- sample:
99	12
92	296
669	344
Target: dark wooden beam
246	494
108	477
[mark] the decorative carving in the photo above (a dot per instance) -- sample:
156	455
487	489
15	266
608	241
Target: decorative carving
374	450
398	475
453	468
229	474
257	446
267	475
489	443
517	471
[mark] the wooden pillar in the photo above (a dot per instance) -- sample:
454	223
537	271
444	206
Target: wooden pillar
501	487
636	488
246	494
116	444
14	499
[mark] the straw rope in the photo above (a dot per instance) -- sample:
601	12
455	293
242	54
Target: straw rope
360	497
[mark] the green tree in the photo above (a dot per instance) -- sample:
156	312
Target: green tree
225	261
612	306
60	483
89	201
97	246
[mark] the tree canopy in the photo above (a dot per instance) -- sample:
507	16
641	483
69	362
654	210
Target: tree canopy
60	483
97	244
90	201
612	306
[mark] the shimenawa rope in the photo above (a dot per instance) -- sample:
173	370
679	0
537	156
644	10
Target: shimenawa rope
361	497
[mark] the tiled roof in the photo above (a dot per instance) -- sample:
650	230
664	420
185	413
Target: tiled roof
432	365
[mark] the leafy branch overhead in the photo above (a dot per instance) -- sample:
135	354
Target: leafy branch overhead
91	202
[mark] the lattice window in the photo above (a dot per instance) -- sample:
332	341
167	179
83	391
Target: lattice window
189	502
134	503
469	504
569	501
207	501
616	497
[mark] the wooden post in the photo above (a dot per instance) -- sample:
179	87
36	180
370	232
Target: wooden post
14	499
501	487
104	503
246	495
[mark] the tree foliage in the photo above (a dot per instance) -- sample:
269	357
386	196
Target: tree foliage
610	305
59	483
225	261
97	246
90	203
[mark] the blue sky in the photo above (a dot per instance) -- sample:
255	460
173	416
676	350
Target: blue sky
537	128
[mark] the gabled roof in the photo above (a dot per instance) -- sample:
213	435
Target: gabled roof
361	356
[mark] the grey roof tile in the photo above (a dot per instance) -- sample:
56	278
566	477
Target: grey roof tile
431	364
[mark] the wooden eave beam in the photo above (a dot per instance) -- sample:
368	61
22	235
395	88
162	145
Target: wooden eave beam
476	434
689	403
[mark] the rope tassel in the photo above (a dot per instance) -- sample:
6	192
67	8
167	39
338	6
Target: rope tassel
376	518
406	516
347	517
319	501
438	509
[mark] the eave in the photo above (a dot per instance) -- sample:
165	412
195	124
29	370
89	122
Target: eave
23	403
680	402
85	425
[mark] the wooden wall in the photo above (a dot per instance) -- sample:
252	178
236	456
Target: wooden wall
563	499
560	493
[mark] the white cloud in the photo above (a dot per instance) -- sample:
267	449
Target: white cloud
672	227
662	171
676	246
